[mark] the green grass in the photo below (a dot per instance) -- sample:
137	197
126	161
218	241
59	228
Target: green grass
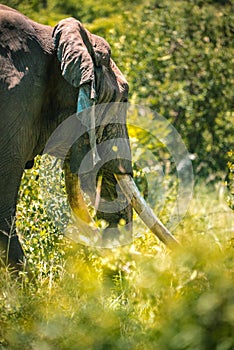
140	296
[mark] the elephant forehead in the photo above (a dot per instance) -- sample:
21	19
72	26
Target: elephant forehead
111	85
100	44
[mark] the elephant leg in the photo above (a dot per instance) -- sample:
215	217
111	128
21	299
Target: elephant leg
10	178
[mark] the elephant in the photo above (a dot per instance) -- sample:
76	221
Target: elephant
48	74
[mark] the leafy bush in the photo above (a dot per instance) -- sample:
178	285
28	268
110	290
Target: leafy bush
41	217
140	296
177	59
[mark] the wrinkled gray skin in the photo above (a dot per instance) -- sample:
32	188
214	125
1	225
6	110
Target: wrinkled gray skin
41	71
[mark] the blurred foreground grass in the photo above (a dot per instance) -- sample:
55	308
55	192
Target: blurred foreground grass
139	296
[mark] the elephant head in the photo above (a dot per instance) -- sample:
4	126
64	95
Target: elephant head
103	93
86	64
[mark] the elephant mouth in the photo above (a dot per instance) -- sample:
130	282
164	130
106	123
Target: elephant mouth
127	185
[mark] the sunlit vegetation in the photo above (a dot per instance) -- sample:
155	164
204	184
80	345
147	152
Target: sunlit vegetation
177	57
139	296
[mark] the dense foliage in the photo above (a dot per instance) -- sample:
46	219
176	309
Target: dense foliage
139	296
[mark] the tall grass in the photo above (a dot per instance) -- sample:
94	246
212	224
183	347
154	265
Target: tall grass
139	296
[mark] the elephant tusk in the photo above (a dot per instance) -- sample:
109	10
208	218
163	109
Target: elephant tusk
87	232
130	190
75	196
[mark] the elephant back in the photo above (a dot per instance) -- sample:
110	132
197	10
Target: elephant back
24	44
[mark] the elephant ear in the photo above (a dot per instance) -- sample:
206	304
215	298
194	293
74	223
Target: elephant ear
79	52
73	51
